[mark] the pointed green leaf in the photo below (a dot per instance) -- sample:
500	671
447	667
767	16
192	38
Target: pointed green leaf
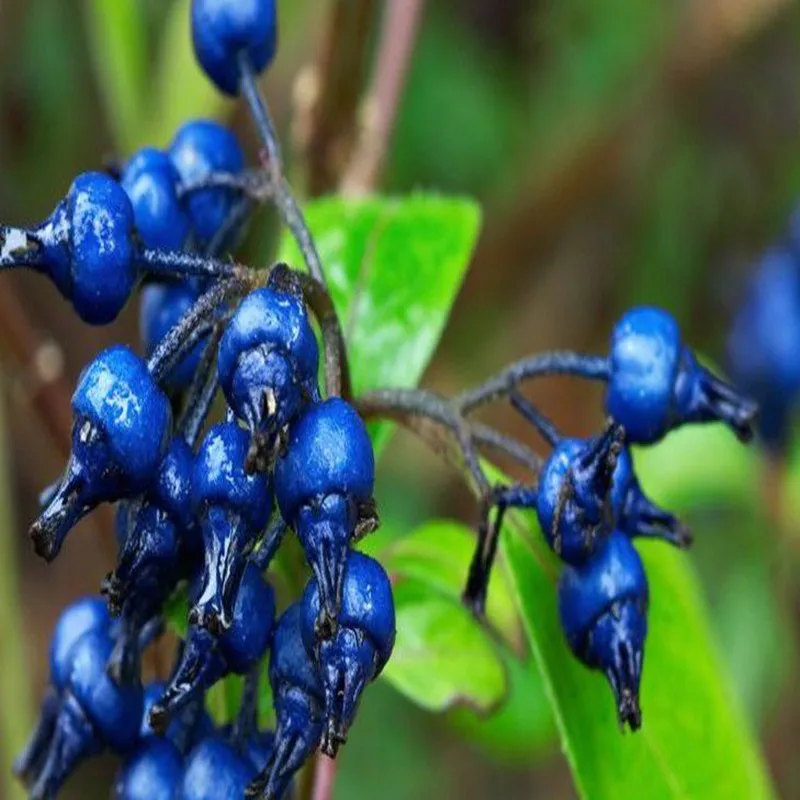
442	656
694	741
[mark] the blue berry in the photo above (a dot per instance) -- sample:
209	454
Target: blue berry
359	648
215	771
656	384
206	659
321	483
77	619
153	772
299	702
233	508
764	341
163	305
94	714
201	148
603	609
122	423
151	181
224	29
268	364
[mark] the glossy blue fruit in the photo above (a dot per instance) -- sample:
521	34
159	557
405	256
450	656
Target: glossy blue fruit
222	29
326	475
656	383
187	730
94	714
122	425
215	771
764	341
201	148
163	305
268	364
206	659
154	771
603	610
234	508
299	702
151	181
77	619
358	650
87	247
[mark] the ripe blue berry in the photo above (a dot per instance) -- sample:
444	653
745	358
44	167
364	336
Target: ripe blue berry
206	659
77	619
323	484
268	364
299	702
200	149
151	181
122	423
358	650
154	771
94	714
233	508
656	384
222	30
603	609
764	341
215	771
163	305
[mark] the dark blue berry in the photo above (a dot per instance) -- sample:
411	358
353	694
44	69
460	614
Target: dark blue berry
360	646
299	702
154	771
122	424
234	508
764	341
206	659
321	483
163	305
215	771
268	365
656	383
224	29
151	181
200	149
77	619
603	609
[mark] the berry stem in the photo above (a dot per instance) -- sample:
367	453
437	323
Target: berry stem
184	335
324	778
284	199
560	362
546	429
182	264
250	182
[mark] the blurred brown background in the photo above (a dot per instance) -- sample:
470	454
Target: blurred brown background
624	151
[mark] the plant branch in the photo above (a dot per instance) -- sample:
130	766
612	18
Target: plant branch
398	35
328	94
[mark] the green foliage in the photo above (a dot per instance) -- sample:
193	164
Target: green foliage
694	742
394	267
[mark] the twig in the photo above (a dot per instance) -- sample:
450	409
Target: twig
327	94
398	35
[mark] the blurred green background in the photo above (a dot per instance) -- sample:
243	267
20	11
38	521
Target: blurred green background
624	151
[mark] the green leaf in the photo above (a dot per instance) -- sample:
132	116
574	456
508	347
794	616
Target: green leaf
694	741
181	91
442	656
394	267
438	555
522	731
118	41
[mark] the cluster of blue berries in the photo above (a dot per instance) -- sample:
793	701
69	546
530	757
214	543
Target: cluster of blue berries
764	340
203	507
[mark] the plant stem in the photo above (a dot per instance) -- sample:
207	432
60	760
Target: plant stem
324	778
16	714
398	35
